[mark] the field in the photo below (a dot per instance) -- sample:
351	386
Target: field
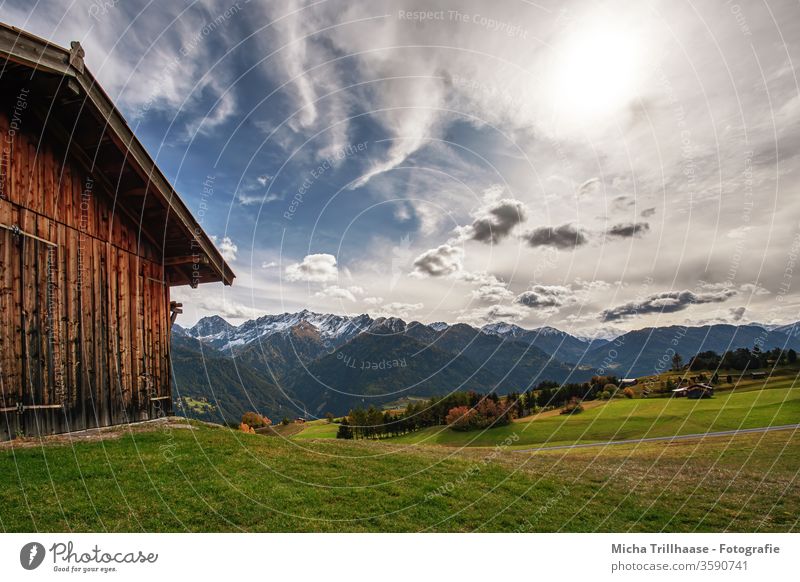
181	477
176	475
318	429
622	419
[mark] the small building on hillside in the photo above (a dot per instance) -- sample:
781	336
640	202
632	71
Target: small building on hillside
92	238
626	382
694	391
758	375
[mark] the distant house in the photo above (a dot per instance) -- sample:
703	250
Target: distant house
758	375
694	391
625	382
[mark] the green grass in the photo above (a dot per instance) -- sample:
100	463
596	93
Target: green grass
215	479
318	429
622	419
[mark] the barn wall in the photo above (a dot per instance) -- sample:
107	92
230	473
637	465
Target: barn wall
84	325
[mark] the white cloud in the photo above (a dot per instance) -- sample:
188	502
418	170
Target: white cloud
249	199
492	290
317	268
493	313
398	309
226	247
336	292
212	302
753	289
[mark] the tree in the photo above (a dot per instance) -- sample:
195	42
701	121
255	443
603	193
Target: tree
677	362
729	379
485	414
791	356
344	432
460	418
329	417
374	422
255	420
574	406
358	420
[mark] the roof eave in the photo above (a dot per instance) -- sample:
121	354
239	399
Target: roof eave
38	53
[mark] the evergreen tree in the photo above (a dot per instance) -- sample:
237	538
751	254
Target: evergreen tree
344	432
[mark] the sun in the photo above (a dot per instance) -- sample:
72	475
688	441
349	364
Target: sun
596	72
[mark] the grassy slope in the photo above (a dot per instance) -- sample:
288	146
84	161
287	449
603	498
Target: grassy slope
318	429
210	479
626	419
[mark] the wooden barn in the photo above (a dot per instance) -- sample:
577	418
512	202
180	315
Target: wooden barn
92	237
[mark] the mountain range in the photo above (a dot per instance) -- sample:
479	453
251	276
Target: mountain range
308	363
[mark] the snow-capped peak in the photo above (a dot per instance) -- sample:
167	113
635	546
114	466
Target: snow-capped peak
209	327
503	328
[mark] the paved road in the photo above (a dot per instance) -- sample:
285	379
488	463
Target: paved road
667	438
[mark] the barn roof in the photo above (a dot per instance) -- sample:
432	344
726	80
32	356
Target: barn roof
75	109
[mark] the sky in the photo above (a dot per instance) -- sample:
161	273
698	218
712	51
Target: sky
585	165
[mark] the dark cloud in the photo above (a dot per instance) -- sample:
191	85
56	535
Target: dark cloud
565	236
648	212
544	296
629	229
438	262
497	221
666	302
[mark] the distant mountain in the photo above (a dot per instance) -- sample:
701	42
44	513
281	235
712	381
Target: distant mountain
392	359
550	340
279	364
381	367
792	329
647	351
211	385
336	328
179	331
278	354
